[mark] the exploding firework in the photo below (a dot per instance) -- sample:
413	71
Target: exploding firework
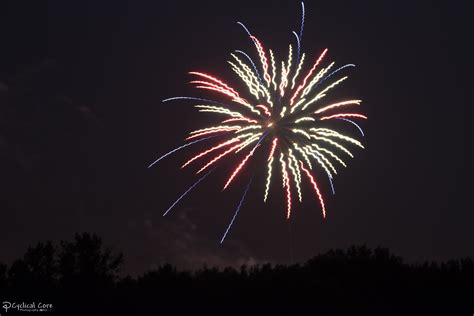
282	115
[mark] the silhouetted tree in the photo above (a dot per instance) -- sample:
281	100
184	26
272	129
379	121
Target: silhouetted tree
3	275
41	262
85	260
19	275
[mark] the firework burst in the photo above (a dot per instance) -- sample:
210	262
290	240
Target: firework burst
282	114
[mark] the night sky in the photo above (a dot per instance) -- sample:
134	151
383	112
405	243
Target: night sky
81	118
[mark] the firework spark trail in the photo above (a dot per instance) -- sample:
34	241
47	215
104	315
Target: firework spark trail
317	156
253	80
322	94
286	184
263	59
288	190
180	147
217	109
216	130
187	191
303	153
338	104
236	211
240	119
354	123
272	58
254	75
283	110
331	154
300	37
293	165
213	87
212	128
252	63
315	186
267	93
282	162
334	72
222	87
269	176
233	140
302	20
335	144
293	108
249	128
242	163
331	133
265	109
288	68
246	79
272	151
302	132
217	81
344	115
218	157
300	65
269	168
245	28
216	86
312	83
292	100
249	141
193	98
226	92
332	186
305	119
282	81
326	162
297	46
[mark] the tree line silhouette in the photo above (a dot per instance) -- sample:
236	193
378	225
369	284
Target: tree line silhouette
82	277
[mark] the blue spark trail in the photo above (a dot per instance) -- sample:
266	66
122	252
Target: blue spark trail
245	28
332	186
193	98
298	48
180	147
302	20
236	211
253	64
261	138
333	73
355	124
300	37
187	191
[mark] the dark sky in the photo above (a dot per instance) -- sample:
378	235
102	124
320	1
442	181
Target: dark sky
81	117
